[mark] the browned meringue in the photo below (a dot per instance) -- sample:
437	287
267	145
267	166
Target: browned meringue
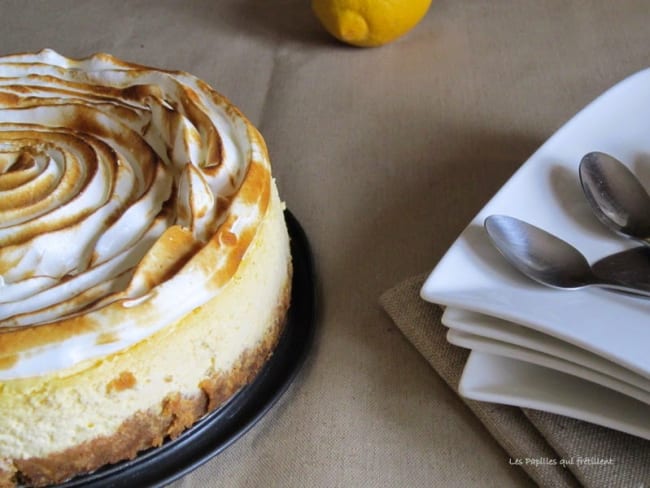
128	197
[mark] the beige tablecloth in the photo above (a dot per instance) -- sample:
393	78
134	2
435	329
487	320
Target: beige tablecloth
384	155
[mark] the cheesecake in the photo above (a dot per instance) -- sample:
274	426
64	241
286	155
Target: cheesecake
145	269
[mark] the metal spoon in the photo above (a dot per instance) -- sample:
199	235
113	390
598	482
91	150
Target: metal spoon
548	259
629	266
616	196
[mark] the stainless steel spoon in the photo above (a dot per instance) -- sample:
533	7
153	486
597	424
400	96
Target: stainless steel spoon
548	259
616	196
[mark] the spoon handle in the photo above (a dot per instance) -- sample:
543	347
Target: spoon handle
627	271
634	289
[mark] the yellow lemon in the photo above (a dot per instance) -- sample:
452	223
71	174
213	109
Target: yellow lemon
369	23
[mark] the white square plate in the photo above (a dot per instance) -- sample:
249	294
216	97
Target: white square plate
546	192
492	378
542	350
508	333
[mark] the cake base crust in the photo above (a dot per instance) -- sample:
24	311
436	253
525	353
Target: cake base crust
149	429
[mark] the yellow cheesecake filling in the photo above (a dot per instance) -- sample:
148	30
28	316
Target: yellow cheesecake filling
55	412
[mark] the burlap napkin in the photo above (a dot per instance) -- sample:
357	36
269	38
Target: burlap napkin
555	451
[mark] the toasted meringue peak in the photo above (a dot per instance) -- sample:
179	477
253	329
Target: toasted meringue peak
118	183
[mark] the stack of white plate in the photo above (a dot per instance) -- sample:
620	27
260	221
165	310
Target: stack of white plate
586	353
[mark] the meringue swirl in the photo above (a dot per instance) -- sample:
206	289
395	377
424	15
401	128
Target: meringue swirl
128	195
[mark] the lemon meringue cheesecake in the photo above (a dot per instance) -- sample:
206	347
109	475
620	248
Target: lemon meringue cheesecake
144	260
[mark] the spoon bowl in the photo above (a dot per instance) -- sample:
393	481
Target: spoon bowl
549	260
616	196
539	255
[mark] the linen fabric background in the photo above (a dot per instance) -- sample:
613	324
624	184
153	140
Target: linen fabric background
384	155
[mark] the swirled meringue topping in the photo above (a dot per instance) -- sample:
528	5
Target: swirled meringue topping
128	196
